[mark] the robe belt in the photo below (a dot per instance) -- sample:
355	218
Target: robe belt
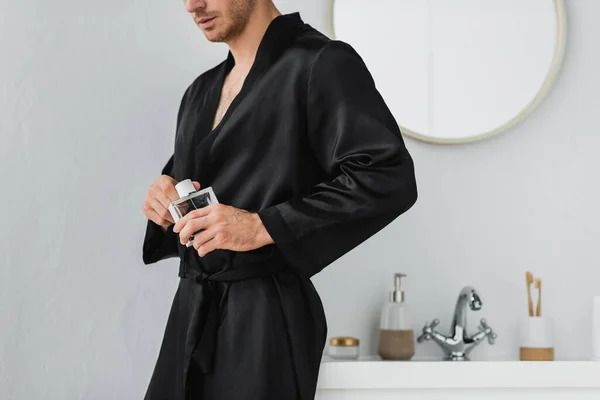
202	333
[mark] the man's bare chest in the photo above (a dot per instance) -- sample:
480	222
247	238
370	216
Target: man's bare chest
231	88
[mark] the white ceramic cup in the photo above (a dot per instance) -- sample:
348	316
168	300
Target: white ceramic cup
537	332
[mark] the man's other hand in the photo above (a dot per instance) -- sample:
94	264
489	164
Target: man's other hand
156	205
222	227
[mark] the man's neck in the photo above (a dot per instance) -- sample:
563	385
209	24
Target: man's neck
244	47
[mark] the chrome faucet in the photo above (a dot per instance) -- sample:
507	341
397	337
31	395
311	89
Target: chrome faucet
458	346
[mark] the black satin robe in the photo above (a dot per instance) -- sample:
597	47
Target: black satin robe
310	146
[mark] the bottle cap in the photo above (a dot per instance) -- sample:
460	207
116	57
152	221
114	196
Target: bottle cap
185	187
344	341
397	296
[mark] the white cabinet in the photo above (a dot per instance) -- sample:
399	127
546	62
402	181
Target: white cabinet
461	394
432	380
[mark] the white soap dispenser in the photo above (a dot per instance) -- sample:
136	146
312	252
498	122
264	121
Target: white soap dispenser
396	335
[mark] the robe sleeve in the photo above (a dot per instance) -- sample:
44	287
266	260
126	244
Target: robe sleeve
159	245
358	144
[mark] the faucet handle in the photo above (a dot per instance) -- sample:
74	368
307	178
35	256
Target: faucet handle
491	335
427	329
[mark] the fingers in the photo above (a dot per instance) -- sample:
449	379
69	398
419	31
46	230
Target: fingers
201	237
164	202
170	192
206	247
196	185
193	225
157	219
160	195
166	186
207	241
161	210
199	213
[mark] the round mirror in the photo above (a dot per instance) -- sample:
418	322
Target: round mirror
454	71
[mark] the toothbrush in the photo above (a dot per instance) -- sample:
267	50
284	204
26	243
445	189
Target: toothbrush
538	285
529	278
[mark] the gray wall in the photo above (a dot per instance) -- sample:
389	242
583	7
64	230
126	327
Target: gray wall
489	211
88	100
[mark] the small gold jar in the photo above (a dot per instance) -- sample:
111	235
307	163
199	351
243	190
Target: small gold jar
344	347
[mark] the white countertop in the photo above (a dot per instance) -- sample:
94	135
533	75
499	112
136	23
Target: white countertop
372	373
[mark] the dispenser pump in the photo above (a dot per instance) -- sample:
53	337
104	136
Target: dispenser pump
397	296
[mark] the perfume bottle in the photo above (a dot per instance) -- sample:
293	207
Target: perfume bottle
189	200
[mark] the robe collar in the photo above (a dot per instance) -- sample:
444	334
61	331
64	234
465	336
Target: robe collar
278	37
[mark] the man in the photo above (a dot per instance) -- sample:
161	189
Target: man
307	163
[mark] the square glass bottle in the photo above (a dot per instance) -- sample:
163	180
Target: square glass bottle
189	200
